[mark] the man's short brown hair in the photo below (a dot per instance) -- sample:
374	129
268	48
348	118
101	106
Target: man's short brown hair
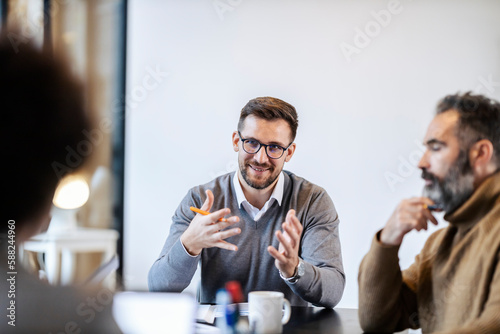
270	108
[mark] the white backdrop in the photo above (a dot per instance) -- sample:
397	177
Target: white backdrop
364	76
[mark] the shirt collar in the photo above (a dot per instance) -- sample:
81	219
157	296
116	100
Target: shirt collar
277	192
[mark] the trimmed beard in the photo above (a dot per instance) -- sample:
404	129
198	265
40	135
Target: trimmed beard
266	183
455	188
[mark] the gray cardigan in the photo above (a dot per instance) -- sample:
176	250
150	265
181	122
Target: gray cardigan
324	279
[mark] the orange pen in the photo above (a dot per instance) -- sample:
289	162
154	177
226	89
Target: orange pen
205	213
432	207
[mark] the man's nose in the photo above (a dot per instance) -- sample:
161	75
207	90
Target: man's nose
261	156
424	161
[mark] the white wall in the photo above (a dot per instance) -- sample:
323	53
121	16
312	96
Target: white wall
361	119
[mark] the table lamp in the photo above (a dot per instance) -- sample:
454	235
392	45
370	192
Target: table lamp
71	194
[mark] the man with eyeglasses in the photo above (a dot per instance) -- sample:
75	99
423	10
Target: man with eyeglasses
282	232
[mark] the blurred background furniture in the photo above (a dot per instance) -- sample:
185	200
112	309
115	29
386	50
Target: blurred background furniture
91	35
60	248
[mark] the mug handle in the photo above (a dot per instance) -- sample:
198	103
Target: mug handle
288	311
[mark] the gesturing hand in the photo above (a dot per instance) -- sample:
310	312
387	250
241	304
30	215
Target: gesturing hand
410	214
287	258
207	231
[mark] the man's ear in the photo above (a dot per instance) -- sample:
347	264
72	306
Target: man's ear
481	154
236	140
289	152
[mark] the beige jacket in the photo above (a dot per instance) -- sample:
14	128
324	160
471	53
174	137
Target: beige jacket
454	284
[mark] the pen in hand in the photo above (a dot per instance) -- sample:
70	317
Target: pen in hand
192	208
435	207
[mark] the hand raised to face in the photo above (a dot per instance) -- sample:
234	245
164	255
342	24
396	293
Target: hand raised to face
410	214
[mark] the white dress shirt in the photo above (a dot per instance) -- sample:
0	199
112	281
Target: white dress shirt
254	212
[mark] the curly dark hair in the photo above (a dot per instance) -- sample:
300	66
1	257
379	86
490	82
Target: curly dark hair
479	119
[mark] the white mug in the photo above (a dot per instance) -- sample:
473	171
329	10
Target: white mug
265	311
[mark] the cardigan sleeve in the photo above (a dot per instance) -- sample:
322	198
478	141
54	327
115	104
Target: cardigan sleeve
324	279
175	268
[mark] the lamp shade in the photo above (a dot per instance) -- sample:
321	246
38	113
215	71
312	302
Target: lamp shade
71	193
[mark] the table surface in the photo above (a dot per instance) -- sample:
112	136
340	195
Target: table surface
322	320
318	320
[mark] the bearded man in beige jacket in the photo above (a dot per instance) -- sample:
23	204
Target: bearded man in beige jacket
454	284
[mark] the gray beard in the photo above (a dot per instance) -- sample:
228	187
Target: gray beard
456	187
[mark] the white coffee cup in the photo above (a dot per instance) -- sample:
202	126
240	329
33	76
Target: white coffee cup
265	311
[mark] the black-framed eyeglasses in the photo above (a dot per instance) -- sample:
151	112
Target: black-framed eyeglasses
252	146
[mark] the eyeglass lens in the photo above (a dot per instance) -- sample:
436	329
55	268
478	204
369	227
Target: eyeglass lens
253	146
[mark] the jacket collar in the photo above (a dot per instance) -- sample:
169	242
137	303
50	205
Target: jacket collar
481	202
